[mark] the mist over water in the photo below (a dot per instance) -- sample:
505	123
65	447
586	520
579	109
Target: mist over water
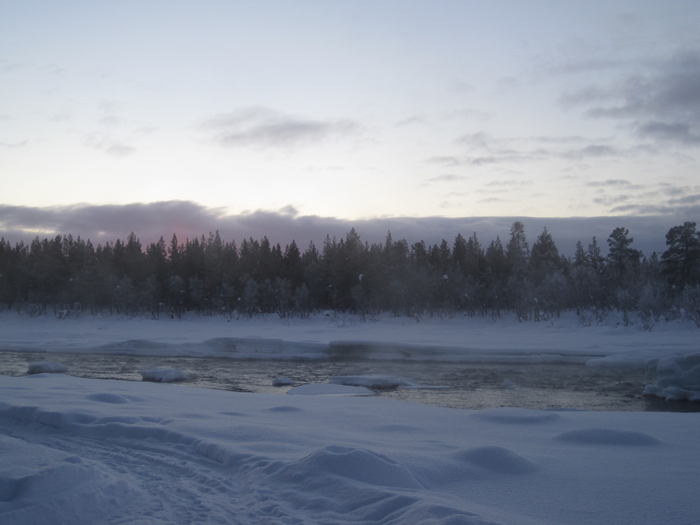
462	385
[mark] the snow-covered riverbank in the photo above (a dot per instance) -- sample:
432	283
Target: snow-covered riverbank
324	336
83	451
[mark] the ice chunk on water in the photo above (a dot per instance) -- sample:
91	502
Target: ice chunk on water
677	377
509	385
164	375
46	367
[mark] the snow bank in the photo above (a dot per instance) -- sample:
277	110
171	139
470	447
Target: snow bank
164	375
46	367
80	451
677	378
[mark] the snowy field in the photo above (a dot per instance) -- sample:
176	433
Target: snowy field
84	451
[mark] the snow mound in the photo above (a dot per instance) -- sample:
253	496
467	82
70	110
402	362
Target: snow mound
114	399
47	367
51	483
282	381
604	436
677	378
497	459
317	389
352	463
516	416
382	382
164	375
284	408
509	385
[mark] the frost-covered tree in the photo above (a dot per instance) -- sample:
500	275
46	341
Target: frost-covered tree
681	261
517	251
621	258
544	257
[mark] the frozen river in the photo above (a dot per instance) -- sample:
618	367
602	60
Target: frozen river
470	386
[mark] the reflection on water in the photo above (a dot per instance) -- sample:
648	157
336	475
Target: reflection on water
473	386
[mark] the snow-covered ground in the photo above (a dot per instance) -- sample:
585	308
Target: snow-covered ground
85	451
97	451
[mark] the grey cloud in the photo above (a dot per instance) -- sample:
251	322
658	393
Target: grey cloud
491	159
510	182
101	223
586	95
54	69
109	146
609	201
610	183
13	145
267	128
471	114
14	66
653	210
688	199
444	161
592	150
461	87
559	140
490	192
60	117
663	103
493	199
586	66
120	150
508	83
510	156
447	178
677	131
663	199
597	150
504	150
108	106
480	139
418	119
109	120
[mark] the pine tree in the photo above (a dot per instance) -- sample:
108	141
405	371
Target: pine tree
681	261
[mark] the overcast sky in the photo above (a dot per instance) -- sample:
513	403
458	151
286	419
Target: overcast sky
347	111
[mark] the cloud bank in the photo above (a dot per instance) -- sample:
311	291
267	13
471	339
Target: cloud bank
186	219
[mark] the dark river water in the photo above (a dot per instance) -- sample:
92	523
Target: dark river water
471	386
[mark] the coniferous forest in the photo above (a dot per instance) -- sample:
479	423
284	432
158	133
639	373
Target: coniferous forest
67	276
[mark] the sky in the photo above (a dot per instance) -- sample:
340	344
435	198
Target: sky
339	112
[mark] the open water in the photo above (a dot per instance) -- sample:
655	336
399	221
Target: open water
471	386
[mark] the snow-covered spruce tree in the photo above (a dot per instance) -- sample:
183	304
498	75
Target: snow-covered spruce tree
520	292
622	271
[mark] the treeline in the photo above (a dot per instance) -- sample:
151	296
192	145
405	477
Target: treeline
66	275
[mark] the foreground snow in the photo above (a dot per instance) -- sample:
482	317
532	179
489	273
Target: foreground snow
86	451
